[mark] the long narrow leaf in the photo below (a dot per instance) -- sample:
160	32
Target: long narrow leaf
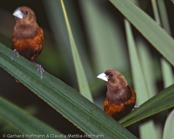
148	27
81	112
56	20
139	82
158	103
81	77
169	126
105	36
23	121
166	68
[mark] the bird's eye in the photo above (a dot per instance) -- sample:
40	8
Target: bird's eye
25	13
111	75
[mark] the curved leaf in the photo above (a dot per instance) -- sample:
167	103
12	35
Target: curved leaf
148	27
81	76
160	102
67	101
169	126
23	121
139	80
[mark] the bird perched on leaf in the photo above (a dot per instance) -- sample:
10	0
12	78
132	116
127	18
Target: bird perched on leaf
120	97
27	37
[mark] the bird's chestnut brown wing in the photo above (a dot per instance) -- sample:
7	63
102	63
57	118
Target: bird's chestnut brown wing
132	100
118	111
38	44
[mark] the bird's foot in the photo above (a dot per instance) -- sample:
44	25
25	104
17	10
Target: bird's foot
39	68
135	107
15	52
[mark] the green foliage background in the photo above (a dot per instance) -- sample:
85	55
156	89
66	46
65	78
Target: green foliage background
97	35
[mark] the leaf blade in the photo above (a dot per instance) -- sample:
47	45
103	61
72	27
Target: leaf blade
81	77
168	128
23	121
158	103
67	101
139	82
148	27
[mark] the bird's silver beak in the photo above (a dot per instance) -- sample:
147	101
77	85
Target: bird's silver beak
103	76
17	13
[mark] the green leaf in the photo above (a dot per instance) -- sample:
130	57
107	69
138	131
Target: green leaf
169	126
148	27
139	82
67	101
106	36
58	28
166	67
81	76
158	103
23	121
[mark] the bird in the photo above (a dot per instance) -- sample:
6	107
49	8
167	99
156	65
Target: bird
120	97
27	36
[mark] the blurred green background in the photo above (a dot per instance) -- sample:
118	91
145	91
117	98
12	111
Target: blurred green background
99	32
